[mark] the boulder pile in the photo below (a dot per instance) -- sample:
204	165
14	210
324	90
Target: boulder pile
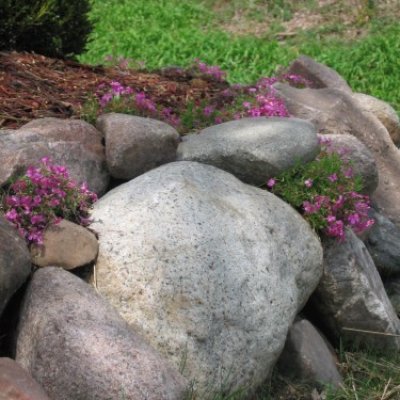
192	279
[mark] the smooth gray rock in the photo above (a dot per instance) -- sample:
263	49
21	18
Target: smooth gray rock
79	348
252	149
363	162
135	145
15	262
335	111
318	75
351	298
211	270
22	148
308	357
383	243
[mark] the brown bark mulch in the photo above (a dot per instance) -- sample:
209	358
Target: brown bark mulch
34	86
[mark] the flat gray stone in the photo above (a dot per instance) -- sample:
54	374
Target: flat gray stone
252	149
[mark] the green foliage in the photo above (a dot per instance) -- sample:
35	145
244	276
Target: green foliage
174	33
54	28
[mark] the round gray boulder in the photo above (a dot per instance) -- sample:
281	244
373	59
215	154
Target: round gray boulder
253	149
210	270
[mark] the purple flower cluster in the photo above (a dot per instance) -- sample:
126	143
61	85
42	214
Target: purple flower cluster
118	98
213	71
348	209
326	192
45	195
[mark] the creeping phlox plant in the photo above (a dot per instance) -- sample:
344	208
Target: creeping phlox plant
235	102
43	196
326	192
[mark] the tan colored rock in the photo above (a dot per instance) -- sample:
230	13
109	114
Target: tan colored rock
383	111
66	245
17	384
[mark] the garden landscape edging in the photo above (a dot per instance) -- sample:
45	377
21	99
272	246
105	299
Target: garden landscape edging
195	260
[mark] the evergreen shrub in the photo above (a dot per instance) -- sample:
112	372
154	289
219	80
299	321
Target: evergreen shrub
54	28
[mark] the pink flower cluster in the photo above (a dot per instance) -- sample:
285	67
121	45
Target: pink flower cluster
119	98
213	71
348	209
45	195
326	192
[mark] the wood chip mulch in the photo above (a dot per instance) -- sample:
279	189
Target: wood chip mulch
34	86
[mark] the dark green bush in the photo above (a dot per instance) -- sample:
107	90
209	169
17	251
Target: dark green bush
55	28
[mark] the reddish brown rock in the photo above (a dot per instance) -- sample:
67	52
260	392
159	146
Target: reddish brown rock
67	130
66	245
318	75
17	384
76	345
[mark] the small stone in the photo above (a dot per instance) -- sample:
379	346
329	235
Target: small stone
308	357
65	245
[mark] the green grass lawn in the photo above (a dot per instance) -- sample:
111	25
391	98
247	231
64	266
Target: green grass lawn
173	32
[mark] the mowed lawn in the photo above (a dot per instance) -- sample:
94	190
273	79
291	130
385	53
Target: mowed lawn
173	32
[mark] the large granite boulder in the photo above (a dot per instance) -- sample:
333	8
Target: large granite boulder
351	300
252	149
135	144
15	262
318	75
24	147
79	348
335	111
210	270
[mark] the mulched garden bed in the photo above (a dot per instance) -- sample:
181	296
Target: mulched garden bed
34	86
